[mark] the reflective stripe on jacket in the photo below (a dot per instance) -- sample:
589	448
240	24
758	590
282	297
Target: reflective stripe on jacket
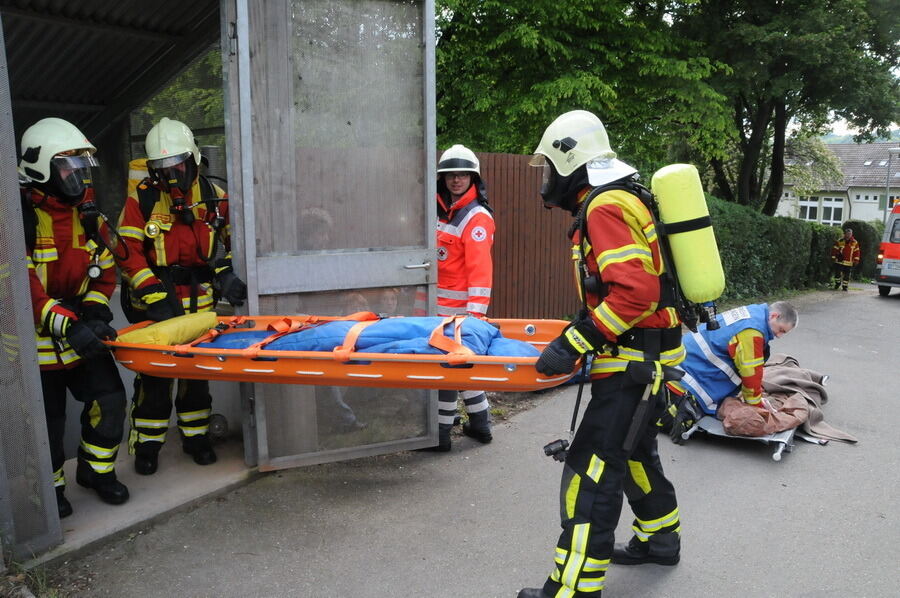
57	274
844	252
622	248
719	362
465	268
176	244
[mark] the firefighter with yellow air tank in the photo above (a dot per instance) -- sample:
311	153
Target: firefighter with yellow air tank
172	221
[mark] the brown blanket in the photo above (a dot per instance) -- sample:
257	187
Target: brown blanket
796	393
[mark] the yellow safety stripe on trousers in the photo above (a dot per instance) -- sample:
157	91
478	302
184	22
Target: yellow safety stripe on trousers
96	297
98	451
59	478
595	468
561	554
141	437
192	416
639	475
150	423
194	430
643	536
594	565
572	495
652	525
101	466
577	553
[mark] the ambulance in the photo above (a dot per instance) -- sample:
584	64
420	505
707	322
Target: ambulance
887	267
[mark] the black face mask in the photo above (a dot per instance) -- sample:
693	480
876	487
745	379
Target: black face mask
562	192
174	173
70	178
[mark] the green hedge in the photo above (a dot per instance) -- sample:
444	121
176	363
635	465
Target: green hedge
762	255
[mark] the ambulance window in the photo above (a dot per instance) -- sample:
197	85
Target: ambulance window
895	231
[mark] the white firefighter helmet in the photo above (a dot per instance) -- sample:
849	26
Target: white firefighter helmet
169	139
45	139
578	138
459	158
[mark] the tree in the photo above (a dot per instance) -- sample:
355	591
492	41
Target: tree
805	62
507	68
809	165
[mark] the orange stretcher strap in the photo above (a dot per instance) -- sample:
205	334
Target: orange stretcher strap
342	353
294	324
457	352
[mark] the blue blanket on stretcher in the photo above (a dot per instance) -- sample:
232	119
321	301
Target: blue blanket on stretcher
391	335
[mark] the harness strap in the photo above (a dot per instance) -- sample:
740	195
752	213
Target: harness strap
287	325
342	352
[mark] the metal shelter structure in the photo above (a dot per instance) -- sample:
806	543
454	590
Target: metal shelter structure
329	128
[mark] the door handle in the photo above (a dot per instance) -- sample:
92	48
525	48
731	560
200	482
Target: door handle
423	266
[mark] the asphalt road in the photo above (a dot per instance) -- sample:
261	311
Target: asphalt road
482	521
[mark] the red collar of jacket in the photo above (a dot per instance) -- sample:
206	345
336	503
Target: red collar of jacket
468	197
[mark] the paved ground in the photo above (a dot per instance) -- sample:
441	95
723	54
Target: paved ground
481	522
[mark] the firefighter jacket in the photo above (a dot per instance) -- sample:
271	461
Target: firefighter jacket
465	234
845	252
621	252
58	274
163	242
719	362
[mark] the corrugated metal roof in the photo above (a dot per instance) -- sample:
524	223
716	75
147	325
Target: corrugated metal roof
93	61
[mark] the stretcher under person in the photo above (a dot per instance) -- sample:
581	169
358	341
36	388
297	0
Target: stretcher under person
455	353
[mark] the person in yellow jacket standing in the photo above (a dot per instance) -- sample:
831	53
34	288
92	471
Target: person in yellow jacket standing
171	226
845	255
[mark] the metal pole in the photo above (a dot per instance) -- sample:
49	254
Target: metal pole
887	188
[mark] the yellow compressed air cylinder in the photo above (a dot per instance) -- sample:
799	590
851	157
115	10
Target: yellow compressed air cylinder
683	212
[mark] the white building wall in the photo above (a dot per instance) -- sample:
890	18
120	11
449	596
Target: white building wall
865	203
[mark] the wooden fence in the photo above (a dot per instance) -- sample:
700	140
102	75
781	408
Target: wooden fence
533	272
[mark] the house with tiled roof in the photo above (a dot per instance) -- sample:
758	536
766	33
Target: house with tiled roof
860	195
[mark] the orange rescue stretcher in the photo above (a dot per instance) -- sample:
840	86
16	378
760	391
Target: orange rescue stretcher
457	369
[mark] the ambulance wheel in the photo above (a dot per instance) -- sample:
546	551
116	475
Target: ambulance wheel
883	291
218	426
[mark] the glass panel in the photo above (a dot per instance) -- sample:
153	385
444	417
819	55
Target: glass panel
358	127
838	214
826	214
813	212
802	215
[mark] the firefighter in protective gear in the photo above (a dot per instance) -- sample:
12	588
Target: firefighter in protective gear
70	302
465	273
633	332
845	255
730	360
171	228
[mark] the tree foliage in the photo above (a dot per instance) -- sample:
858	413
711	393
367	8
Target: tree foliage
507	68
800	61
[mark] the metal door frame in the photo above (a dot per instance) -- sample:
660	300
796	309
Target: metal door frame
236	47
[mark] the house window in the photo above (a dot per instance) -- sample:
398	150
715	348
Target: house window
802	214
838	215
813	211
857	197
832	210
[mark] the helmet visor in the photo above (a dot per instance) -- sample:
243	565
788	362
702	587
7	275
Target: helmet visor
174	172
71	175
168	161
547	178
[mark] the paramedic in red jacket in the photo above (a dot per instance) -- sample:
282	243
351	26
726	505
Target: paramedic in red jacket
845	255
172	230
465	273
72	275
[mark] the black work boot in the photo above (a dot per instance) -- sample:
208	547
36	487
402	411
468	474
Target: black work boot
482	435
200	448
662	550
108	488
536	593
146	458
444	444
62	503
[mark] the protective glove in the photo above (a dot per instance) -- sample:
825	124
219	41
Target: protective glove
160	310
560	356
101	329
685	417
230	287
83	340
96	311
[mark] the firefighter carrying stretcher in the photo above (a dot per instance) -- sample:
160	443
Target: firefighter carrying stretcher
171	224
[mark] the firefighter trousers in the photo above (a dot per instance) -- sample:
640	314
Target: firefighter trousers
597	472
475	402
95	383
152	406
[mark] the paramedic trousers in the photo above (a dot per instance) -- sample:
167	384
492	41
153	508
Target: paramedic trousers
596	473
152	406
95	383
